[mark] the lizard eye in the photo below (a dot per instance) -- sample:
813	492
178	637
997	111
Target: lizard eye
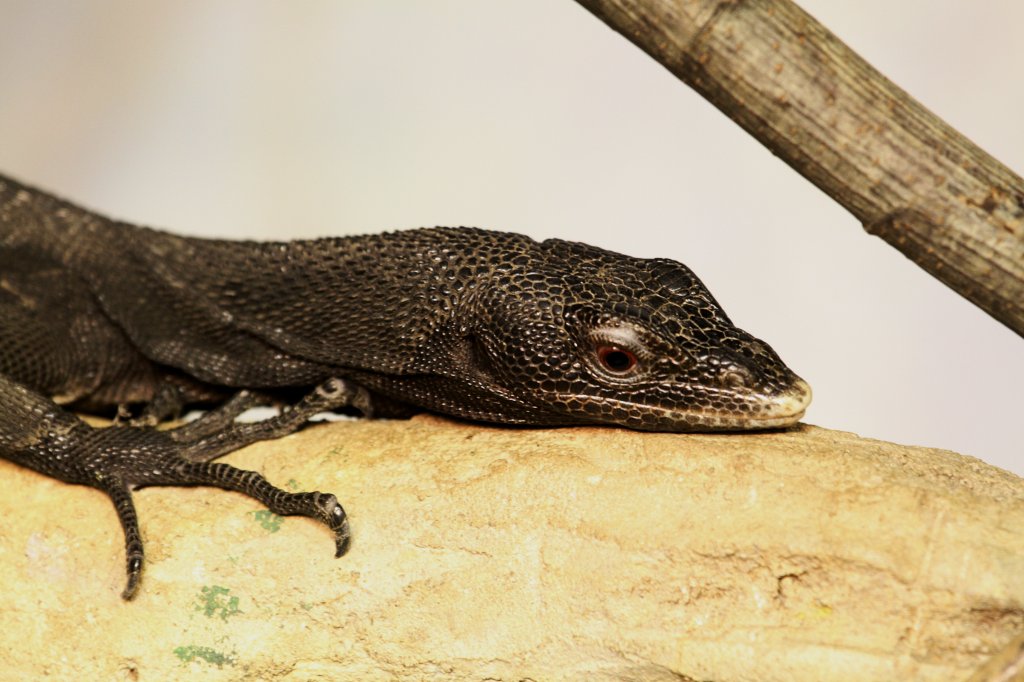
616	360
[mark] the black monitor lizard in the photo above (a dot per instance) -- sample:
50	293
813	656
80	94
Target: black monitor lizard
98	315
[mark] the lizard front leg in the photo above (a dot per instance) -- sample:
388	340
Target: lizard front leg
216	433
36	433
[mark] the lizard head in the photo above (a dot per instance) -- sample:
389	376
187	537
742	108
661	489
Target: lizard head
599	337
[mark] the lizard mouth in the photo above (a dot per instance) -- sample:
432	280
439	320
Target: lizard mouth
765	412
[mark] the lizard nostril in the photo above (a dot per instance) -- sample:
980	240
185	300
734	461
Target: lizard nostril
734	378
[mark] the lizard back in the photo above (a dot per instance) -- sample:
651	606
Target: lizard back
474	323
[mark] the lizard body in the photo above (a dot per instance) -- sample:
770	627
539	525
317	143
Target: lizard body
97	314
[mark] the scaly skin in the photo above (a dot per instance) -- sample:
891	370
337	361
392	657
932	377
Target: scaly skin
481	325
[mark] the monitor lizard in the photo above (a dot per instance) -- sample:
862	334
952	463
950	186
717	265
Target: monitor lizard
98	315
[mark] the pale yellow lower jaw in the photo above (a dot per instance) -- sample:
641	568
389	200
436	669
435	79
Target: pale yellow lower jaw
781	411
776	412
770	422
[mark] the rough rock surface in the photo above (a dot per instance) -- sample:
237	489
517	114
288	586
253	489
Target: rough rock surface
509	554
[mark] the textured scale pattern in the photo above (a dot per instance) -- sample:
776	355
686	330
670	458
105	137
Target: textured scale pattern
476	324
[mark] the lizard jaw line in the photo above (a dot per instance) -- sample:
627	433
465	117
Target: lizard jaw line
781	411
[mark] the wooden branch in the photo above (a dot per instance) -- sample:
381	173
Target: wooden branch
909	177
545	554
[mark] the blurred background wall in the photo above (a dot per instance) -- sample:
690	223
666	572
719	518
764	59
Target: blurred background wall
273	119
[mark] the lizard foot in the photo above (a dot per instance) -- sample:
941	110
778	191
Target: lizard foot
120	459
323	507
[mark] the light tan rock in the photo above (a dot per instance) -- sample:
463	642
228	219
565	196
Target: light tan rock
509	554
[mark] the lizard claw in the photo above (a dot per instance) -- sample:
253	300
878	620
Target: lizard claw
337	520
342	541
134	572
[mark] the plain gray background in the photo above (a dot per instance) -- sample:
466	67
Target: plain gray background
275	120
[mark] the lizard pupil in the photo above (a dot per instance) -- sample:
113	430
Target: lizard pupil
616	359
